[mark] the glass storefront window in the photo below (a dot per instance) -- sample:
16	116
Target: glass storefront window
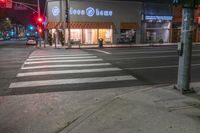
76	36
90	36
158	31
127	36
106	35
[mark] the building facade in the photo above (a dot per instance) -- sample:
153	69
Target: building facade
156	23
176	24
115	22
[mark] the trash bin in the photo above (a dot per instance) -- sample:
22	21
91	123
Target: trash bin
100	40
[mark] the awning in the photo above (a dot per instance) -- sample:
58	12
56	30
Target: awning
82	25
53	25
129	25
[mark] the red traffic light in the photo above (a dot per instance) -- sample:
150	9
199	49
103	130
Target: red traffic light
40	20
40	30
3	1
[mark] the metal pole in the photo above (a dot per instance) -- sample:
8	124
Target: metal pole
185	49
38	8
64	9
68	23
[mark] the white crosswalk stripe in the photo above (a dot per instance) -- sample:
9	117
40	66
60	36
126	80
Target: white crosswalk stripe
60	61
63	65
60	55
60	58
69	81
66	72
66	66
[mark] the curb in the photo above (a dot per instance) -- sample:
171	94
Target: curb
117	46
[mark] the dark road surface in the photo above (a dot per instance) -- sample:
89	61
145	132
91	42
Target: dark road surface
28	70
152	65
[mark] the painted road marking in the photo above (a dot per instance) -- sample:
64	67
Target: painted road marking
157	67
67	72
151	57
65	66
146	57
57	58
60	55
62	61
70	81
149	52
101	51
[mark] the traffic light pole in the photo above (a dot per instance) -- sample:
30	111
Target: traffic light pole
68	23
38	8
185	48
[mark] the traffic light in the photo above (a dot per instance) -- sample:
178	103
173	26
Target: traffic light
39	20
2	3
66	15
40	24
30	27
40	29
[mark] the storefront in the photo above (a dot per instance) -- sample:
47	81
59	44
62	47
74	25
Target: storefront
177	23
157	22
114	22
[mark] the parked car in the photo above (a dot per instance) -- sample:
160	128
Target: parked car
31	41
1	39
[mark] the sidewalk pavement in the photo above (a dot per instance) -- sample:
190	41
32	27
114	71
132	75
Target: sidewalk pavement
118	45
139	109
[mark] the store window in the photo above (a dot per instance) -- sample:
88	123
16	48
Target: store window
90	36
106	35
127	36
76	36
158	31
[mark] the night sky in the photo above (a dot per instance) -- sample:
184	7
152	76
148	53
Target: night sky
26	17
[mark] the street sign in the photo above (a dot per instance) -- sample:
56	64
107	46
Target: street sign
8	3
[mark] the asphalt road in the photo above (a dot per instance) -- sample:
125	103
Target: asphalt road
29	70
151	65
12	56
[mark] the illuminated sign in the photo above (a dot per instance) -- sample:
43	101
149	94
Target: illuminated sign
55	11
90	12
169	18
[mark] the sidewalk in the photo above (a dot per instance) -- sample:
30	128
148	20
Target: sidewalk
141	109
118	45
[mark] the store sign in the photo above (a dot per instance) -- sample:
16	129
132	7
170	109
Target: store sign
169	18
91	12
55	11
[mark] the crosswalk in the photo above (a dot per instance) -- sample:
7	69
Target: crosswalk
69	72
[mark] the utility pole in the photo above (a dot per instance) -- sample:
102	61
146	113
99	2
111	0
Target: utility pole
65	20
185	48
68	22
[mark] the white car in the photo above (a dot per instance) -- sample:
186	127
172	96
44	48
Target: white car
31	41
1	38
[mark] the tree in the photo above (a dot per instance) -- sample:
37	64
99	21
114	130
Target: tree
5	24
